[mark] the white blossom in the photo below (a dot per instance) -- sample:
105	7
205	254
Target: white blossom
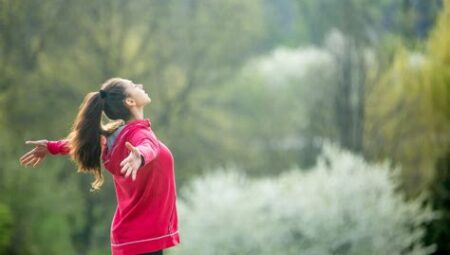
341	206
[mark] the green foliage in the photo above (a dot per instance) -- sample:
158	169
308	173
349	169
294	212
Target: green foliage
411	125
5	227
437	72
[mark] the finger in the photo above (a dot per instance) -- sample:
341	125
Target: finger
27	162
129	146
33	161
24	156
133	175
125	161
34	142
125	168
37	162
27	155
129	171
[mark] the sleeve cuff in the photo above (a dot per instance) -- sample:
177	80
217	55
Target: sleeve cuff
142	160
57	147
52	147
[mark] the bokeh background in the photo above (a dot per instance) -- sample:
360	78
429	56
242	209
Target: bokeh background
297	126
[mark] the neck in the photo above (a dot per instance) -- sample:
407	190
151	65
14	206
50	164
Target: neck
136	114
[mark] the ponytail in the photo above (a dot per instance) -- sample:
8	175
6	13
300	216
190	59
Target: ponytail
84	138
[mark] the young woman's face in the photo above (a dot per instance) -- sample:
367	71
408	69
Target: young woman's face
136	93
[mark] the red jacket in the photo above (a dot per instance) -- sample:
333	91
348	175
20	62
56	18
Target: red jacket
146	217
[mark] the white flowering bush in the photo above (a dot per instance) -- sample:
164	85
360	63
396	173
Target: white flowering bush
341	206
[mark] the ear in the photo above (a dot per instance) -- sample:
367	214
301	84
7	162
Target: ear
129	102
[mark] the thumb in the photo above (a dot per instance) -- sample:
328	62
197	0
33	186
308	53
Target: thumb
129	146
33	142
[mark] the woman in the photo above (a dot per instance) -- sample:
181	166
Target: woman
145	220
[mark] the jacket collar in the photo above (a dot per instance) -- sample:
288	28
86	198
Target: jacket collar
132	125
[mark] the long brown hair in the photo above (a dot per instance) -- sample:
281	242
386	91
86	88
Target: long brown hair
84	138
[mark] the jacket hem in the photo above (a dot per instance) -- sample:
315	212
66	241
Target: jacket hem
146	245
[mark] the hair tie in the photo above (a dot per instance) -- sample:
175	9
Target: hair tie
102	93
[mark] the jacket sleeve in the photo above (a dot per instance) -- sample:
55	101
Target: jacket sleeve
58	147
147	143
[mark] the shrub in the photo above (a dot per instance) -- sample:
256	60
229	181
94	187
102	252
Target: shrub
341	206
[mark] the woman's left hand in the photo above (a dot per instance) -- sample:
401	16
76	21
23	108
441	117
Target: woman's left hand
36	155
131	164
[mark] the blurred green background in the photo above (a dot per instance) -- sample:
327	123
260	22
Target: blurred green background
279	114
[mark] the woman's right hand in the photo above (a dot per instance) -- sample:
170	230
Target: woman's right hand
36	155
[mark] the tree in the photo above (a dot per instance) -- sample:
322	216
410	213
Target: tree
410	125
